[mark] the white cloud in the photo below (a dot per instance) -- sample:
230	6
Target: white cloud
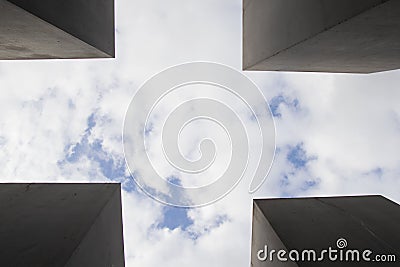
349	123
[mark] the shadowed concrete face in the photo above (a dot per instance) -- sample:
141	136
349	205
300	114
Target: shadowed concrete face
26	36
366	222
92	21
355	36
60	225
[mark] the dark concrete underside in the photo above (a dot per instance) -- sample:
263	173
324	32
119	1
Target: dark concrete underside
52	225
366	222
350	36
92	21
24	35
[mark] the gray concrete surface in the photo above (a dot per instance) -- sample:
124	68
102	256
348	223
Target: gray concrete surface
107	231
24	36
366	222
92	21
263	234
50	224
356	36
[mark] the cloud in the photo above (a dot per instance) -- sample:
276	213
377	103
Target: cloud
348	122
62	121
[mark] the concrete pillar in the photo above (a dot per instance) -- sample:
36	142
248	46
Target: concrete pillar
61	225
56	29
343	224
354	36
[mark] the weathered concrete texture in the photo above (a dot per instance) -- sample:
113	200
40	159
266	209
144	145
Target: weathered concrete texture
24	36
366	222
60	225
355	36
111	251
264	234
92	21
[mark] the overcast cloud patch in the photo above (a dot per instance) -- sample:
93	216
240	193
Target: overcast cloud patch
111	167
276	102
297	156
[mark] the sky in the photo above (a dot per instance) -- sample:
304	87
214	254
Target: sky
62	121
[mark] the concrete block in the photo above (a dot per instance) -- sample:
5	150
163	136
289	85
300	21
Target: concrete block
354	36
56	29
301	224
61	225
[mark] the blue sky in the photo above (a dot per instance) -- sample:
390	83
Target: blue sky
336	134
